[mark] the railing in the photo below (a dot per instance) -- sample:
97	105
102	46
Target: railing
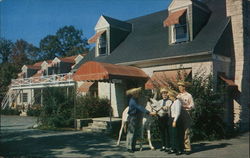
50	79
9	97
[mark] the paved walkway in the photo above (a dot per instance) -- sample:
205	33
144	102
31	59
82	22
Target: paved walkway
18	140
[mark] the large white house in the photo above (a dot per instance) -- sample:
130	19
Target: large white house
196	35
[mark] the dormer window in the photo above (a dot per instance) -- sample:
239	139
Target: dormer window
110	33
179	31
177	22
102	45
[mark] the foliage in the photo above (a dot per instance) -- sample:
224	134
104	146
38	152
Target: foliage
67	41
50	45
90	106
7	72
5	49
34	110
71	41
207	121
207	116
10	111
23	53
57	108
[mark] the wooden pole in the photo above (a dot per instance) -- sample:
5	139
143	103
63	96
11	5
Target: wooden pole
110	109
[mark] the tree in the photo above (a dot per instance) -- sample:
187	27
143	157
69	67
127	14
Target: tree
50	45
7	72
5	49
68	41
71	40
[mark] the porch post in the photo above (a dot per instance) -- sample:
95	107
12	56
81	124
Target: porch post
41	97
110	109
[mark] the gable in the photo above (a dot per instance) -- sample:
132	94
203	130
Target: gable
176	4
101	24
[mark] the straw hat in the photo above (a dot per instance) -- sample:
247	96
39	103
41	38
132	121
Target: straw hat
164	90
134	91
172	93
183	83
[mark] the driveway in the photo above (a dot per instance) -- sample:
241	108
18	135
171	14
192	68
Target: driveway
18	140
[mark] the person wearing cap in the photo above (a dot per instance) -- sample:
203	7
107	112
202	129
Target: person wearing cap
134	113
187	104
175	126
163	117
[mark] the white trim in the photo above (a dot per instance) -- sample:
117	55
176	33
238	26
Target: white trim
101	24
221	58
165	58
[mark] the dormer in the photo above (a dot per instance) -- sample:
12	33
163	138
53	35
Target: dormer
185	20
109	34
46	67
28	71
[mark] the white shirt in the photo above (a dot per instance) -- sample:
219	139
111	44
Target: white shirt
176	109
186	100
164	108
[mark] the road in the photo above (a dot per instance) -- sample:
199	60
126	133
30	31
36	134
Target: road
17	140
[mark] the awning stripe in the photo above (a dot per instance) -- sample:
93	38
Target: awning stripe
174	17
94	38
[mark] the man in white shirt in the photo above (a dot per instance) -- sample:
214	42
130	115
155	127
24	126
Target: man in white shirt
187	104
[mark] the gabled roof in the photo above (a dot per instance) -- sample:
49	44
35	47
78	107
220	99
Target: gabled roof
117	23
70	59
33	67
149	39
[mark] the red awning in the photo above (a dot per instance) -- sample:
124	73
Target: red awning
94	38
96	71
85	86
174	17
161	78
228	81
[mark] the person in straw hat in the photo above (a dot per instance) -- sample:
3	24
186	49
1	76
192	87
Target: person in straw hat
163	118
175	126
133	117
187	104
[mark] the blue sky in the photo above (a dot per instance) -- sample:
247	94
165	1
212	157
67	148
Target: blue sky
32	20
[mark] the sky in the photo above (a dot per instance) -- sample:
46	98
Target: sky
32	20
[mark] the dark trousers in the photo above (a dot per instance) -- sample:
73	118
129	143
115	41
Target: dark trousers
164	130
175	135
132	131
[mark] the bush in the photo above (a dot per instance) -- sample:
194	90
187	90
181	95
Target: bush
57	109
35	110
90	106
207	116
10	111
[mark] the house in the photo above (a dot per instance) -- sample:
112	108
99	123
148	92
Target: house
27	89
193	35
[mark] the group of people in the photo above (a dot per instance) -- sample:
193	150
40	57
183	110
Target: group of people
174	123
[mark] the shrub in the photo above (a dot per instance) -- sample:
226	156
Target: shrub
35	110
207	116
10	111
57	109
90	106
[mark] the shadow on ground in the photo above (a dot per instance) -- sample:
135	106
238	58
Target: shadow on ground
50	144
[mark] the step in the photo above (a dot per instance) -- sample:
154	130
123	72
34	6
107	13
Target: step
23	113
89	129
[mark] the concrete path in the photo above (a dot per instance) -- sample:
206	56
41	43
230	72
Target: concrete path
18	140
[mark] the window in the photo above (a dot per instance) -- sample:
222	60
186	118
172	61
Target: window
179	31
24	97
102	46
